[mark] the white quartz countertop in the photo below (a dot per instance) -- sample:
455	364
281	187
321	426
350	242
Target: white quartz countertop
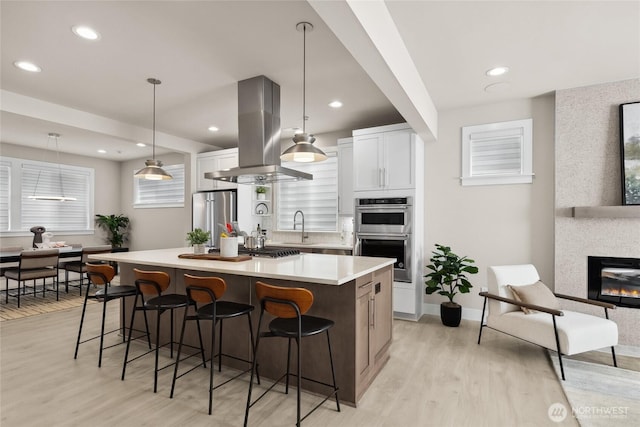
313	268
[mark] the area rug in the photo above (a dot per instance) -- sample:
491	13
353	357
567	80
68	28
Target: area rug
600	395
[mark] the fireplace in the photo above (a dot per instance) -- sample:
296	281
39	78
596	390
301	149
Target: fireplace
614	280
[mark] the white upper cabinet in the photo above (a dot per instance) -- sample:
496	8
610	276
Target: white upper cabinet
215	161
345	177
384	158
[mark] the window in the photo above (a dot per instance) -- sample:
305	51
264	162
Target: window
318	198
20	179
166	194
497	153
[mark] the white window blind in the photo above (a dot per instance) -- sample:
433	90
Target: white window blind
318	198
152	193
49	179
5	195
497	153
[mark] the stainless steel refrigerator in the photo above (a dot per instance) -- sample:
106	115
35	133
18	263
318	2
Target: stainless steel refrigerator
212	208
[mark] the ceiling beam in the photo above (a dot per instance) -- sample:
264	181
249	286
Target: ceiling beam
369	33
55	113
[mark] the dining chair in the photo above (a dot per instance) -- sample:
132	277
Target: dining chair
80	266
33	265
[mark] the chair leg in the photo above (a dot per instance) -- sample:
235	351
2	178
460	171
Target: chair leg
133	316
253	349
286	388
211	367
299	388
484	306
170	332
66	281
204	361
104	315
613	353
84	309
253	371
175	369
333	372
219	346
155	371
555	329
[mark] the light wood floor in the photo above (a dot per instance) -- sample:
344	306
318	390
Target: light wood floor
437	376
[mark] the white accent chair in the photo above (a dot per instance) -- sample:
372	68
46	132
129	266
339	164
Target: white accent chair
566	332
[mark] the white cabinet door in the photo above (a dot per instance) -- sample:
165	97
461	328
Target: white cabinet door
367	172
210	162
345	177
399	161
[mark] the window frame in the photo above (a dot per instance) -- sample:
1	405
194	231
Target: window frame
496	131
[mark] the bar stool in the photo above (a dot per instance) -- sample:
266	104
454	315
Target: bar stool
102	275
208	291
151	284
80	266
288	305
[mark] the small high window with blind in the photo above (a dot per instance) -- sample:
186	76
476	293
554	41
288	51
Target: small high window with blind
318	198
498	153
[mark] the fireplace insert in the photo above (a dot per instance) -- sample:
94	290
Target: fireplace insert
614	280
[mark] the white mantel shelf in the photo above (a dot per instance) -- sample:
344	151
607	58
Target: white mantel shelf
629	211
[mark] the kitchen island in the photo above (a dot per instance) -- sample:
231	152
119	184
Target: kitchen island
354	292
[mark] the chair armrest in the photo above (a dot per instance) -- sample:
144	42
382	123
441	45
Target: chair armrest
522	304
587	301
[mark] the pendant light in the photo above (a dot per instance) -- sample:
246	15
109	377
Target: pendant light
153	168
52	196
303	149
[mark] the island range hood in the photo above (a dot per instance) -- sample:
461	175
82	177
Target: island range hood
258	137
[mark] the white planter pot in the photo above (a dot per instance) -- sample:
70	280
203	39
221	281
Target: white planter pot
199	249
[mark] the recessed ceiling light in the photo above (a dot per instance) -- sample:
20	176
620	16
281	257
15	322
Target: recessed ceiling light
102	151
27	66
335	104
497	71
140	144
85	32
213	128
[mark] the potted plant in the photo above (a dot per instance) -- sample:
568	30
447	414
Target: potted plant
116	225
197	238
448	277
261	192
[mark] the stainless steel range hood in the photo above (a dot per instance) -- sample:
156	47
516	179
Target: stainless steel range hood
258	137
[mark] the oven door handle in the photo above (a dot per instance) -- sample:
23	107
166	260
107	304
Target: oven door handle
385	236
382	208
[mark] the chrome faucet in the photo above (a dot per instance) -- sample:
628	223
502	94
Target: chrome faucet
295	223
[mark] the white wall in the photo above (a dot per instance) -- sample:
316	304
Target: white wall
494	225
107	188
588	174
156	228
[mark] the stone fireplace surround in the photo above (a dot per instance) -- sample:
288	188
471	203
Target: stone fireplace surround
587	168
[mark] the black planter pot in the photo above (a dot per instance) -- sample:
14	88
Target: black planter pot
450	314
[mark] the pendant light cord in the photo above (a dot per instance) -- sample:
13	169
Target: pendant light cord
59	167
153	139
304	77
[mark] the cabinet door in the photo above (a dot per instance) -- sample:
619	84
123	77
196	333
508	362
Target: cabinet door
366	162
345	177
364	349
205	164
382	314
226	161
399	162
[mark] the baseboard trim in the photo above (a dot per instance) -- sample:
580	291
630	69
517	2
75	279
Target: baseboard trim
467	313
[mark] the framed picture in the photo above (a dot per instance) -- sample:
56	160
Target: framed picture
630	152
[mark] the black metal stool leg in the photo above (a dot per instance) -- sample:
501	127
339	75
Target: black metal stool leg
333	372
219	347
299	388
286	388
204	361
253	348
104	315
84	309
253	370
155	371
211	367
175	369
126	353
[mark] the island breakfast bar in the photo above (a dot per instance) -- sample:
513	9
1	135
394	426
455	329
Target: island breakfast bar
354	292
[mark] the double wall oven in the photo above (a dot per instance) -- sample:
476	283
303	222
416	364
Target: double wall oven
383	228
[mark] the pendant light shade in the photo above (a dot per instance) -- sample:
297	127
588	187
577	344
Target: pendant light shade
153	168
303	149
55	196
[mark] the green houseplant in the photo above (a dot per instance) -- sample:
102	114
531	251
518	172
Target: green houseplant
116	226
448	277
261	192
197	238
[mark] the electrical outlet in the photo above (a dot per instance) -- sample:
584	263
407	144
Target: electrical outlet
484	289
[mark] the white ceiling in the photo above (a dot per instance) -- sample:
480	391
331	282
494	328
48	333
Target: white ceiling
96	95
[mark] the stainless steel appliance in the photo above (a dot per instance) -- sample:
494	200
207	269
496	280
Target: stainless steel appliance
383	229
211	208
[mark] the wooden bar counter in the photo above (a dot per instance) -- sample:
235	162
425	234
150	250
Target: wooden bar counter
354	292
